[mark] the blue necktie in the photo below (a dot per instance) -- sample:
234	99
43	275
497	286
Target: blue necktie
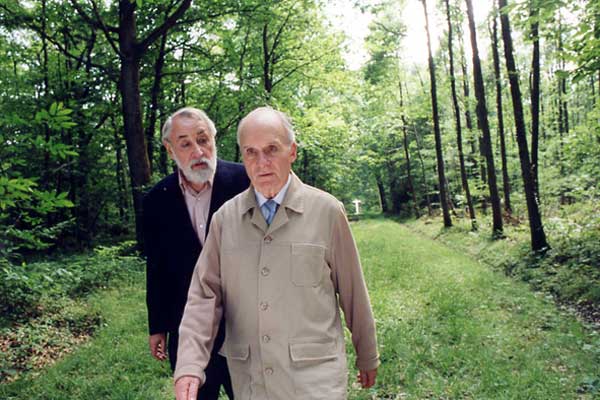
268	209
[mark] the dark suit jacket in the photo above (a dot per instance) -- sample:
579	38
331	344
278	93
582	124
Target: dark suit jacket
172	246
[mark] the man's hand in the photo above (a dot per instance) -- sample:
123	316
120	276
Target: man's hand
158	346
367	378
186	388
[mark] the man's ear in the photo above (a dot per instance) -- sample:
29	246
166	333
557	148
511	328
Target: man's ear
168	148
293	152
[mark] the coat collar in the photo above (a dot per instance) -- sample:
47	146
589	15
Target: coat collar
293	200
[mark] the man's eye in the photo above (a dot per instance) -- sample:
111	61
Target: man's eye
272	150
184	144
202	141
250	152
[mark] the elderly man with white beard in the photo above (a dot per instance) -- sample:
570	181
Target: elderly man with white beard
177	214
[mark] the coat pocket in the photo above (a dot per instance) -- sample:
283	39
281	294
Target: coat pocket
319	370
308	262
238	361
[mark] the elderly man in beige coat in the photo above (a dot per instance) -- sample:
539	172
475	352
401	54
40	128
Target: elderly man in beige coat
278	264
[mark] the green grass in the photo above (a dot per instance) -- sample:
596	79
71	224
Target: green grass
451	328
448	328
116	364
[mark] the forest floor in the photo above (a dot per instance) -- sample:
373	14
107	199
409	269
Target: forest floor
449	327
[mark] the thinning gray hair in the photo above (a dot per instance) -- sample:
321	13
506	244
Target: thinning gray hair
187	112
286	122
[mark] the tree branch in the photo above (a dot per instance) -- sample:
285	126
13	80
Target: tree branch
97	23
165	26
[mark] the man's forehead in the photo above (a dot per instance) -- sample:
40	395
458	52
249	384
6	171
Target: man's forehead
188	127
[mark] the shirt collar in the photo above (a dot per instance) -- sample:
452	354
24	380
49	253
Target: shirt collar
260	199
185	185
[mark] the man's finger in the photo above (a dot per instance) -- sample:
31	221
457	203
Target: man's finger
193	390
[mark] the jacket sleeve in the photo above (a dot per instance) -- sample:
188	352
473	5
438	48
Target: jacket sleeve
354	299
203	309
155	296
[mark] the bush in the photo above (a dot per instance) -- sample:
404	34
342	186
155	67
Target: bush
19	294
23	286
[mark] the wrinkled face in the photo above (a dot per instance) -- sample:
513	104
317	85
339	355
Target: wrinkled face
192	147
267	153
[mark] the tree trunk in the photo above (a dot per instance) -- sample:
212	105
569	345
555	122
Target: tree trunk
267	79
154	105
473	159
411	186
461	157
129	87
120	174
381	189
436	126
500	113
484	126
538	237
423	175
535	97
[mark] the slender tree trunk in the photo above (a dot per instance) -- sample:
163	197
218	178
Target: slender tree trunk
484	126
382	195
411	186
241	84
154	105
267	79
461	157
500	113
423	175
163	160
46	95
535	97
120	173
467	100
182	87
538	236
436	126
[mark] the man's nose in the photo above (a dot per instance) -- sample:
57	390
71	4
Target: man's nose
197	150
263	158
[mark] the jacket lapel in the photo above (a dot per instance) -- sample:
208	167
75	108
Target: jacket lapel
181	216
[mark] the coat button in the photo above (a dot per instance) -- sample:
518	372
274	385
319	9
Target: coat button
264	305
266	338
265	271
268	239
269	371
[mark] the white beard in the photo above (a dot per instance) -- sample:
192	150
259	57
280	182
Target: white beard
199	176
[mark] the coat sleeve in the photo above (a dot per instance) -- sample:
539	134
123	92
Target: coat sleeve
155	290
354	299
203	309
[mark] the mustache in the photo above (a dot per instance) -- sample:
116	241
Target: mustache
205	160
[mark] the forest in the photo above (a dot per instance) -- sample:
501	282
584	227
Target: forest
492	144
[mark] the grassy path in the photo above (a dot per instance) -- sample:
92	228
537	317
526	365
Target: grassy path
448	327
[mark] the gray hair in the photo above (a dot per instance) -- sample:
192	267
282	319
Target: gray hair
285	120
188	112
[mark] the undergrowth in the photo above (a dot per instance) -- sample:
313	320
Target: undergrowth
43	311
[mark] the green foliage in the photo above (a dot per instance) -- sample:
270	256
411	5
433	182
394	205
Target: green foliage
28	210
25	289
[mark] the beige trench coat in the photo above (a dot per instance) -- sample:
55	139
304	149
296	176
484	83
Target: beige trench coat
276	287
